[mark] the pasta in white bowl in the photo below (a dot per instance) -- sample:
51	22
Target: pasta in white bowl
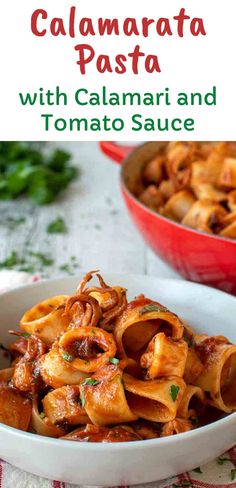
96	373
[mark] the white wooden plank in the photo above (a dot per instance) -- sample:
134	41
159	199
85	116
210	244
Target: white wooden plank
100	232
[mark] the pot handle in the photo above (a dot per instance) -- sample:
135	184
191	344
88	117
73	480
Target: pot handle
115	151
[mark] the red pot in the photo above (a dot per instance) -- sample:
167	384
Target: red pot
197	256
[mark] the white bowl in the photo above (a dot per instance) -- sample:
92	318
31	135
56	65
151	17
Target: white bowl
207	310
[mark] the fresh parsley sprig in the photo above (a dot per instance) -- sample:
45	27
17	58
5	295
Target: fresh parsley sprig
26	170
174	390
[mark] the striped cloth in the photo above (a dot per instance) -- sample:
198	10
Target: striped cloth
220	473
217	474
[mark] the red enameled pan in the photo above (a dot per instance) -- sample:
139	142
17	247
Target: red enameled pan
197	256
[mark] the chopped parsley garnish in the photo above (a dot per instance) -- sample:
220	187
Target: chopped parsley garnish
67	357
91	382
82	398
221	460
25	334
42	415
66	268
69	267
152	307
57	226
174	390
43	258
11	261
27	269
197	470
114	361
188	340
122	382
233	474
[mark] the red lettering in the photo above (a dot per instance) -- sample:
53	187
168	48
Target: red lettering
57	27
180	19
84	60
108	26
146	22
103	64
120	69
34	22
152	64
130	27
86	27
197	27
135	58
163	27
72	22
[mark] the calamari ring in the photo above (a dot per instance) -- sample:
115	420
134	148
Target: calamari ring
88	348
46	320
57	372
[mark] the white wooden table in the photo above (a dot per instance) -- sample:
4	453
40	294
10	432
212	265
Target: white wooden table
100	232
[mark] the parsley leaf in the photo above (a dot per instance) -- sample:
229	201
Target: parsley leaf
82	399
221	461
43	258
174	390
57	226
188	340
91	382
42	415
25	334
233	474
114	360
11	261
67	357
26	170
152	307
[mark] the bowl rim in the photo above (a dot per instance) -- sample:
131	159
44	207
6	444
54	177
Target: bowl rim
107	446
159	216
157	442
